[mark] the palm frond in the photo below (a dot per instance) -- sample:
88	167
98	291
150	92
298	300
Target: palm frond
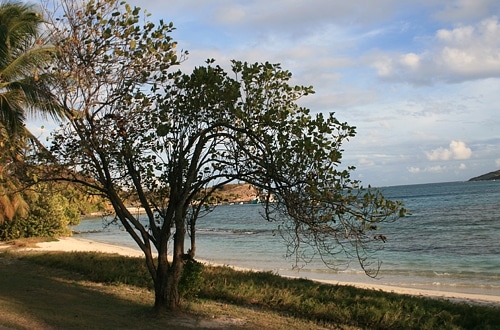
12	114
28	63
24	87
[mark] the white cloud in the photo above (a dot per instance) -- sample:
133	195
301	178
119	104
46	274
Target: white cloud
365	162
460	150
411	60
457	150
414	169
439	154
436	169
463	53
497	162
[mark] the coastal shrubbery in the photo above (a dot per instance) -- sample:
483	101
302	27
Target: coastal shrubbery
49	211
49	216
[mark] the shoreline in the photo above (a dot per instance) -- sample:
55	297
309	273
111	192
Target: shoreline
69	244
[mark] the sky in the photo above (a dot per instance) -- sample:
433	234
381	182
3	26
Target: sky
420	79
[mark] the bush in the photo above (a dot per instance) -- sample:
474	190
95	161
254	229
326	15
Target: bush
49	216
191	279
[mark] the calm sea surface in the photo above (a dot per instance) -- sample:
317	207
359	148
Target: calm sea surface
450	242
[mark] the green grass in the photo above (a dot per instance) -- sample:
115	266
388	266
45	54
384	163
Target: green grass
297	299
344	304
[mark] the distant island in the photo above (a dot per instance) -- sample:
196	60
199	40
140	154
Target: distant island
488	176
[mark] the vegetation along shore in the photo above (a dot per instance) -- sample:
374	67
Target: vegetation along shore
57	285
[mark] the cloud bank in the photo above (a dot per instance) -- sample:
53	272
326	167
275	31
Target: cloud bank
455	55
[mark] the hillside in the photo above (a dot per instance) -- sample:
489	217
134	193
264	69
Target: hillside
488	176
235	193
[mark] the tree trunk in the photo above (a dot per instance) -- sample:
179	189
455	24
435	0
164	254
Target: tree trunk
192	250
166	293
168	276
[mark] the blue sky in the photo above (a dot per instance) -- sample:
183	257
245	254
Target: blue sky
419	79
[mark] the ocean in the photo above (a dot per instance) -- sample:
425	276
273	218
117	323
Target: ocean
449	242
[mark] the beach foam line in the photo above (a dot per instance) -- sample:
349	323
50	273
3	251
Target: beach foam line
70	244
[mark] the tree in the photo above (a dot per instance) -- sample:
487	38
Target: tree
170	139
12	201
23	54
23	91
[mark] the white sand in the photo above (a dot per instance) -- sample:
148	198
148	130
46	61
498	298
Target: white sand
68	244
78	244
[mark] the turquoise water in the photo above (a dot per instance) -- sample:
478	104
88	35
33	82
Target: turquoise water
449	242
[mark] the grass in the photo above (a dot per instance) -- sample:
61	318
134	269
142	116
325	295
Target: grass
102	291
334	304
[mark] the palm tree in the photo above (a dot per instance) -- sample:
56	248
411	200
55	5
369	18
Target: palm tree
12	202
24	90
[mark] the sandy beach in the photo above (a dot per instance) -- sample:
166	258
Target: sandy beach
68	244
77	244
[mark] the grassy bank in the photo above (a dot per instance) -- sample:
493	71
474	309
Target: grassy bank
99	291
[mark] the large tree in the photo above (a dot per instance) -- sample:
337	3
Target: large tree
136	127
23	91
23	55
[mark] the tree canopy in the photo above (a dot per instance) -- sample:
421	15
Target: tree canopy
137	125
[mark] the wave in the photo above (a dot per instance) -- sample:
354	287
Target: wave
222	231
90	231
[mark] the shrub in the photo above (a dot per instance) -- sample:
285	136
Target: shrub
49	216
192	279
